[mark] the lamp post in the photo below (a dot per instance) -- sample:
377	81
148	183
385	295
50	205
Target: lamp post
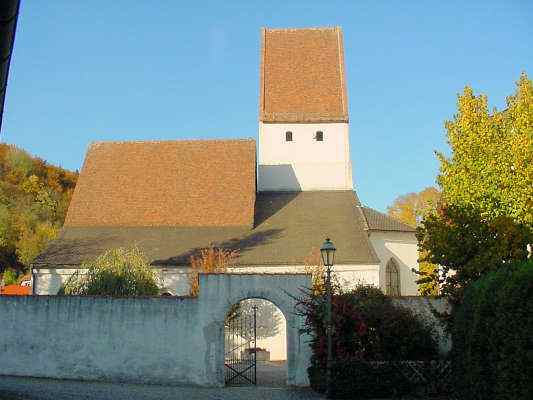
328	256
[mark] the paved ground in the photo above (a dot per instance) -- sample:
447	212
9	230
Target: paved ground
12	388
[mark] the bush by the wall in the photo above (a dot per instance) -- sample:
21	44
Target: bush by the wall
370	334
117	272
493	336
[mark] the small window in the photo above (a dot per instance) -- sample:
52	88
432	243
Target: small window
288	136
319	136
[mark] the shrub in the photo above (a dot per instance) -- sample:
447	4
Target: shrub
211	259
10	277
367	328
492	336
117	272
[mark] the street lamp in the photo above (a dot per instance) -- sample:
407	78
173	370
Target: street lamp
328	257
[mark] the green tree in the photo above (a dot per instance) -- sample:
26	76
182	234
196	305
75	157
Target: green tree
485	219
411	208
467	246
491	162
117	272
10	277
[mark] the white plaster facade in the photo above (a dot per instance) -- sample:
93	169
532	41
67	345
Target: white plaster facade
402	247
304	163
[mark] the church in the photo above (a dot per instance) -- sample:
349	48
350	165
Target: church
273	201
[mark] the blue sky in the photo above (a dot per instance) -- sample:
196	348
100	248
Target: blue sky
131	70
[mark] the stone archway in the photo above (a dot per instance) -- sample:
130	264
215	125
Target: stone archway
255	340
218	292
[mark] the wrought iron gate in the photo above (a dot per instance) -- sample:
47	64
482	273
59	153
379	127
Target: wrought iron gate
240	361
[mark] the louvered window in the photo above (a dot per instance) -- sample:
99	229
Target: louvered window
288	136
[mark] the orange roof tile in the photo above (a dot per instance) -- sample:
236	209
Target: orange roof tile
15	290
302	76
166	183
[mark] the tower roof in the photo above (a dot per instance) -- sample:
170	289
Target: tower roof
302	76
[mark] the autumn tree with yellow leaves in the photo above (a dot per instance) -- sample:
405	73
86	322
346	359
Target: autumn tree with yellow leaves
485	219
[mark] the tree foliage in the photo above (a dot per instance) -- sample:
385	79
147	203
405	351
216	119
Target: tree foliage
491	162
466	245
412	207
117	272
34	197
485	219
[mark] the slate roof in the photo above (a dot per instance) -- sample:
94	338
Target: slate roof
288	226
166	183
377	221
302	76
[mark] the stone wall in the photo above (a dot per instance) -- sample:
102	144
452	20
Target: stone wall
165	340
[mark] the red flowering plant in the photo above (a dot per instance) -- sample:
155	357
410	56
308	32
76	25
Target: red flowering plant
367	327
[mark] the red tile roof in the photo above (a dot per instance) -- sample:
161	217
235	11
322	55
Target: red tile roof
302	76
15	290
166	183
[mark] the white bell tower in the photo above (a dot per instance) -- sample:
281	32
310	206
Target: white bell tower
303	124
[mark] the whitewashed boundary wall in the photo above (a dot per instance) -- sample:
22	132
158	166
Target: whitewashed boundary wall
165	340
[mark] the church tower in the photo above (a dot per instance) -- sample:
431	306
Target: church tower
303	111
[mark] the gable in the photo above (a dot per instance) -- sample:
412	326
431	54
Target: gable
166	183
302	76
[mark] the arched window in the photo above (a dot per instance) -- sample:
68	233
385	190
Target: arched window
392	278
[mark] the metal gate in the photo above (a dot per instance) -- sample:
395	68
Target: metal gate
240	363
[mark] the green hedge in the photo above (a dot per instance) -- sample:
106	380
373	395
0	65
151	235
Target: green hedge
493	336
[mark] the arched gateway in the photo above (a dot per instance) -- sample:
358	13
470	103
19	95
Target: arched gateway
219	292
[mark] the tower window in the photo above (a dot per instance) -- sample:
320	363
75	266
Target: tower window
288	136
319	136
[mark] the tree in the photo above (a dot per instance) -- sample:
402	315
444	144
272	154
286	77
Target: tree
491	162
412	207
268	319
409	209
117	272
485	220
10	277
467	246
34	198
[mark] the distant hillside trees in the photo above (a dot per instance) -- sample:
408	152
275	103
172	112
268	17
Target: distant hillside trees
34	197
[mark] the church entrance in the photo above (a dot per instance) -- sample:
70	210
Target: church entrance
255	344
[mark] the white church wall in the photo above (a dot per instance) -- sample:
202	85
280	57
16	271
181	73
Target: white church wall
47	281
304	163
175	280
402	246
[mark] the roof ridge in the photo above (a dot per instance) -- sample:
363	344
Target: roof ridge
401	226
103	142
311	28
